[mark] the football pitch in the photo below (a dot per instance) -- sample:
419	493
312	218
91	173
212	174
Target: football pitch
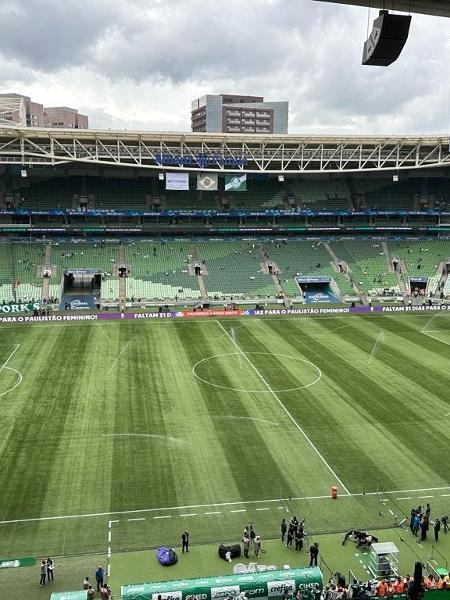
119	436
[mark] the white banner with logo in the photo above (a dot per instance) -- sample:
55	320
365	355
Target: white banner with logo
177	181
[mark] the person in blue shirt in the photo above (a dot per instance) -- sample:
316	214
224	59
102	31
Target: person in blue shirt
99	576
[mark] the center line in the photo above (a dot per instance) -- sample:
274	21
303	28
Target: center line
274	394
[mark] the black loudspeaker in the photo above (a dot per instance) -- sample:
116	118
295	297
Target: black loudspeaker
388	37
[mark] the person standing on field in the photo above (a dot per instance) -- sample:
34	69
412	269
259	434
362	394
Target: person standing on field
313	554
252	536
99	576
43	572
437	528
185	542
246	544
50	567
283	530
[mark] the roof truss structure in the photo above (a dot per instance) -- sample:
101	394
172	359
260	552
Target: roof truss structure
222	153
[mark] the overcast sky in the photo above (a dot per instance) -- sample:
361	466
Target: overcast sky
137	64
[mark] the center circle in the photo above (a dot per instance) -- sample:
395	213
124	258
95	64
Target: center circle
313	370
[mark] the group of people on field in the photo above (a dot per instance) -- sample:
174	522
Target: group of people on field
251	541
420	520
102	587
293	531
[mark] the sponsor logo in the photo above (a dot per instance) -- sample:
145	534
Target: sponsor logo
168	596
196	597
223	592
8	564
277	588
256	592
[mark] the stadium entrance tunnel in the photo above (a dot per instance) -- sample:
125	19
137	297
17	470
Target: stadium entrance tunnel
81	289
259	372
318	289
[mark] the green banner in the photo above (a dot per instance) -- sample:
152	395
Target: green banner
235	183
69	595
14	563
16	308
266	584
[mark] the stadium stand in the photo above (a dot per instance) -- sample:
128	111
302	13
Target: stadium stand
19	264
368	266
382	194
124	194
321	194
421	257
160	271
307	259
234	269
50	193
260	195
84	255
189	200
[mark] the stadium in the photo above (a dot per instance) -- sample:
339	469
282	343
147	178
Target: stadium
211	333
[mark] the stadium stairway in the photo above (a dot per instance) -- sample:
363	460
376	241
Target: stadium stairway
46	280
275	277
122	280
342	278
195	261
389	263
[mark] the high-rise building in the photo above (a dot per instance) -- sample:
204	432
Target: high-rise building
19	110
226	113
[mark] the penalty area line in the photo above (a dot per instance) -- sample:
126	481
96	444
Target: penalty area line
275	395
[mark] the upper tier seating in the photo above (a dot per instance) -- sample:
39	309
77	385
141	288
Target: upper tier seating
321	194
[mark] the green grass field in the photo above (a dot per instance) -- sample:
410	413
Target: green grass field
122	435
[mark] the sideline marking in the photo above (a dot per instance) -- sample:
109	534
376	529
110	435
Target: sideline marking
302	431
435	338
189	515
268	391
237	503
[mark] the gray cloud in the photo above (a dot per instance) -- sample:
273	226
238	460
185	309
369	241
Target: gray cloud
138	63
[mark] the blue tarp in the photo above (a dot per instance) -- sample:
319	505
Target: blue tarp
166	556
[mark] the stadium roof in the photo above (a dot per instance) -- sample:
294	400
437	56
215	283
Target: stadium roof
439	8
222	153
